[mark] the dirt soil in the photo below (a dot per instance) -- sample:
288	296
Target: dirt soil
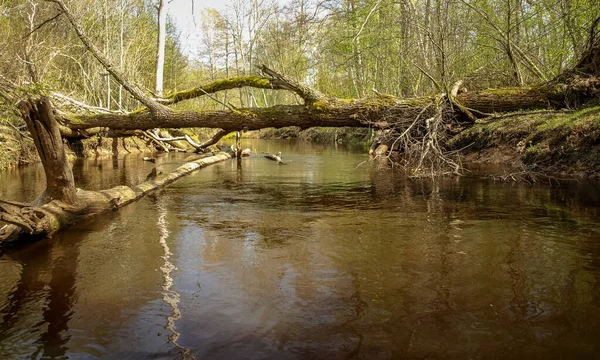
562	142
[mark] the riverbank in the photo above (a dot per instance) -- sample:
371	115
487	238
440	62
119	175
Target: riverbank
324	135
566	143
17	148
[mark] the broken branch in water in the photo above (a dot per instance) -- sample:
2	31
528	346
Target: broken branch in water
274	157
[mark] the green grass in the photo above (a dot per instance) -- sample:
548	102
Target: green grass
541	139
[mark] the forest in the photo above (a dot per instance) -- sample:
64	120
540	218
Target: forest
299	179
425	78
342	48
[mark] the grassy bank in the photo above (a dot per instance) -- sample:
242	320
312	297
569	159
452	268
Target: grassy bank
562	142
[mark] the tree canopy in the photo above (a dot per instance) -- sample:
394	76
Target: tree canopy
344	48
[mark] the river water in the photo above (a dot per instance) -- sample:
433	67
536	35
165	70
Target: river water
315	259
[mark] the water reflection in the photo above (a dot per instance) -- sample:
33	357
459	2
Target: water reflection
314	259
46	285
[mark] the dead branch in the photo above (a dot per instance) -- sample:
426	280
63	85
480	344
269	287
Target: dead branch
66	101
41	25
214	139
112	70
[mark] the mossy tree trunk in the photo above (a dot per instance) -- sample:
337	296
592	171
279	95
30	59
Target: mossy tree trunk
383	111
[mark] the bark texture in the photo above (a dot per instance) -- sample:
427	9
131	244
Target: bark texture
39	117
54	215
380	112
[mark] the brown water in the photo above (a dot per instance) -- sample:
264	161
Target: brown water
314	259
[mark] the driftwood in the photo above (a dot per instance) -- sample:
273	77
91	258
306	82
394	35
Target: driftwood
275	157
246	152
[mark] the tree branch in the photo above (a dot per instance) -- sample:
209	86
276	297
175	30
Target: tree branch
42	25
272	81
222	85
309	95
117	75
214	139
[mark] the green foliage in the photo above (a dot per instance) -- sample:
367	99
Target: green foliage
540	138
344	49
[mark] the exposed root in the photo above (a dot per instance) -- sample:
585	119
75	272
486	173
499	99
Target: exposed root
23	215
418	147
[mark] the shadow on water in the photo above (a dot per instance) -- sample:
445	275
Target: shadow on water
47	281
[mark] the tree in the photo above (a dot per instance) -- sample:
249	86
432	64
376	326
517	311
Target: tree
414	128
162	8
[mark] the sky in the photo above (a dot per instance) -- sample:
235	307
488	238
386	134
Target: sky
181	12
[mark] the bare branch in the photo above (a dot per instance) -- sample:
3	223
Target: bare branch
79	104
119	77
362	27
214	139
42	25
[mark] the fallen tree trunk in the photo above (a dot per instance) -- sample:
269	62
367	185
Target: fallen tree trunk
54	215
380	112
63	204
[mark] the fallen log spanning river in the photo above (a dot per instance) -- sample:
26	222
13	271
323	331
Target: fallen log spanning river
320	259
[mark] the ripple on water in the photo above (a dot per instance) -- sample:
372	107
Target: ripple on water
315	259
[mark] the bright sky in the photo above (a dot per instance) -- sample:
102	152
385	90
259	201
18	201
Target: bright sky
181	12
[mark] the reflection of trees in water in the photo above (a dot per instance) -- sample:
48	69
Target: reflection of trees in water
414	269
105	172
59	260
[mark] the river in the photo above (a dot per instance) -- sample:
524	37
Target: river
325	257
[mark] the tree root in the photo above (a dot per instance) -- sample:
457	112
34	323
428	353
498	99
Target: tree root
418	147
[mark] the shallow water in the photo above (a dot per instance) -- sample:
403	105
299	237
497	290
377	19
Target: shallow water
313	259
